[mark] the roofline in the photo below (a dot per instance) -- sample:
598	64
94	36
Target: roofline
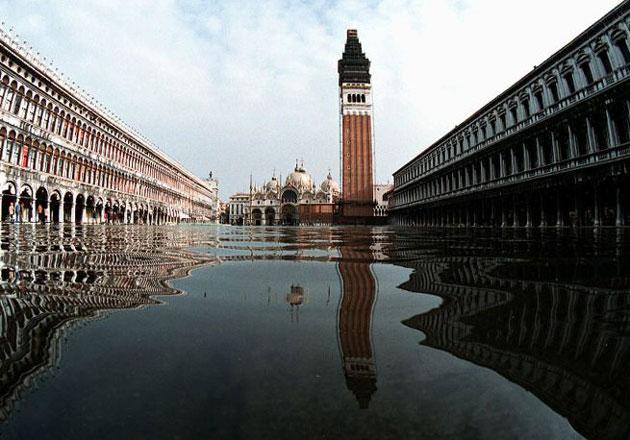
552	59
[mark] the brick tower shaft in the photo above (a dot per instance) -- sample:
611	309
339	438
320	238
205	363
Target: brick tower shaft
355	95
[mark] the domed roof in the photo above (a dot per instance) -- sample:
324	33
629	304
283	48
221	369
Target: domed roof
329	185
273	184
300	179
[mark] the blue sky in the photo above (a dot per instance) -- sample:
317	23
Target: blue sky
245	87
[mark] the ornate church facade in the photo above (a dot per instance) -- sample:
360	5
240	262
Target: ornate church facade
296	201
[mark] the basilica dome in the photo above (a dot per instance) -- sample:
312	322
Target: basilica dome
300	179
273	185
329	185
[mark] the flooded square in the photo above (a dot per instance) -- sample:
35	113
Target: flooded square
333	332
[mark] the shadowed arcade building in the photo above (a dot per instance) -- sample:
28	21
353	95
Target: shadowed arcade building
552	150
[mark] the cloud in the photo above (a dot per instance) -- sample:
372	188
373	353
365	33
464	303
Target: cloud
246	87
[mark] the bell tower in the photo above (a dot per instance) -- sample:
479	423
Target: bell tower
355	97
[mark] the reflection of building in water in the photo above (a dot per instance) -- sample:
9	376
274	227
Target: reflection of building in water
54	282
354	322
295	298
567	343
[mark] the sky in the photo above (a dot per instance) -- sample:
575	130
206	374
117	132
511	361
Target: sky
246	87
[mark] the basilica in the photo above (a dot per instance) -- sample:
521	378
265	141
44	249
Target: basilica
298	201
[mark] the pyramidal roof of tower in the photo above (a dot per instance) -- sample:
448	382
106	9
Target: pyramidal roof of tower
354	66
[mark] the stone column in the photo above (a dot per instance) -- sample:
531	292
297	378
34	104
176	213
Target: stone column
572	144
34	210
528	213
526	161
612	134
543	222
559	221
503	215
61	212
619	211
576	203
72	208
554	146
515	223
540	153
590	136
596	219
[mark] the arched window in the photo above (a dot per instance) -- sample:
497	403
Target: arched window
22	159
621	43
585	67
59	123
33	107
8	103
7	152
71	128
42	113
604	59
3	140
18	100
4	86
66	126
33	157
362	97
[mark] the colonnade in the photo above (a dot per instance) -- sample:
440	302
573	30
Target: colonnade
592	204
21	203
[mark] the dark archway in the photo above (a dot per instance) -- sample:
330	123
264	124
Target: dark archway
90	209
289	196
289	215
78	209
256	217
24	207
270	216
98	210
68	202
41	204
55	203
8	203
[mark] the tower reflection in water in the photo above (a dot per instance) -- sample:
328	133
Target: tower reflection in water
50	282
354	321
558	326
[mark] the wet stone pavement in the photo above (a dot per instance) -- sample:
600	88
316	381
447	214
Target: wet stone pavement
272	333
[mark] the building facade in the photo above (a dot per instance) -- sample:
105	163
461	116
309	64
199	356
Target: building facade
298	201
552	150
64	158
355	106
236	208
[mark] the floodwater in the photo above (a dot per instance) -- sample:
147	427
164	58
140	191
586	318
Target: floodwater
177	332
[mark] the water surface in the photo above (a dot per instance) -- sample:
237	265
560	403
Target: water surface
232	332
